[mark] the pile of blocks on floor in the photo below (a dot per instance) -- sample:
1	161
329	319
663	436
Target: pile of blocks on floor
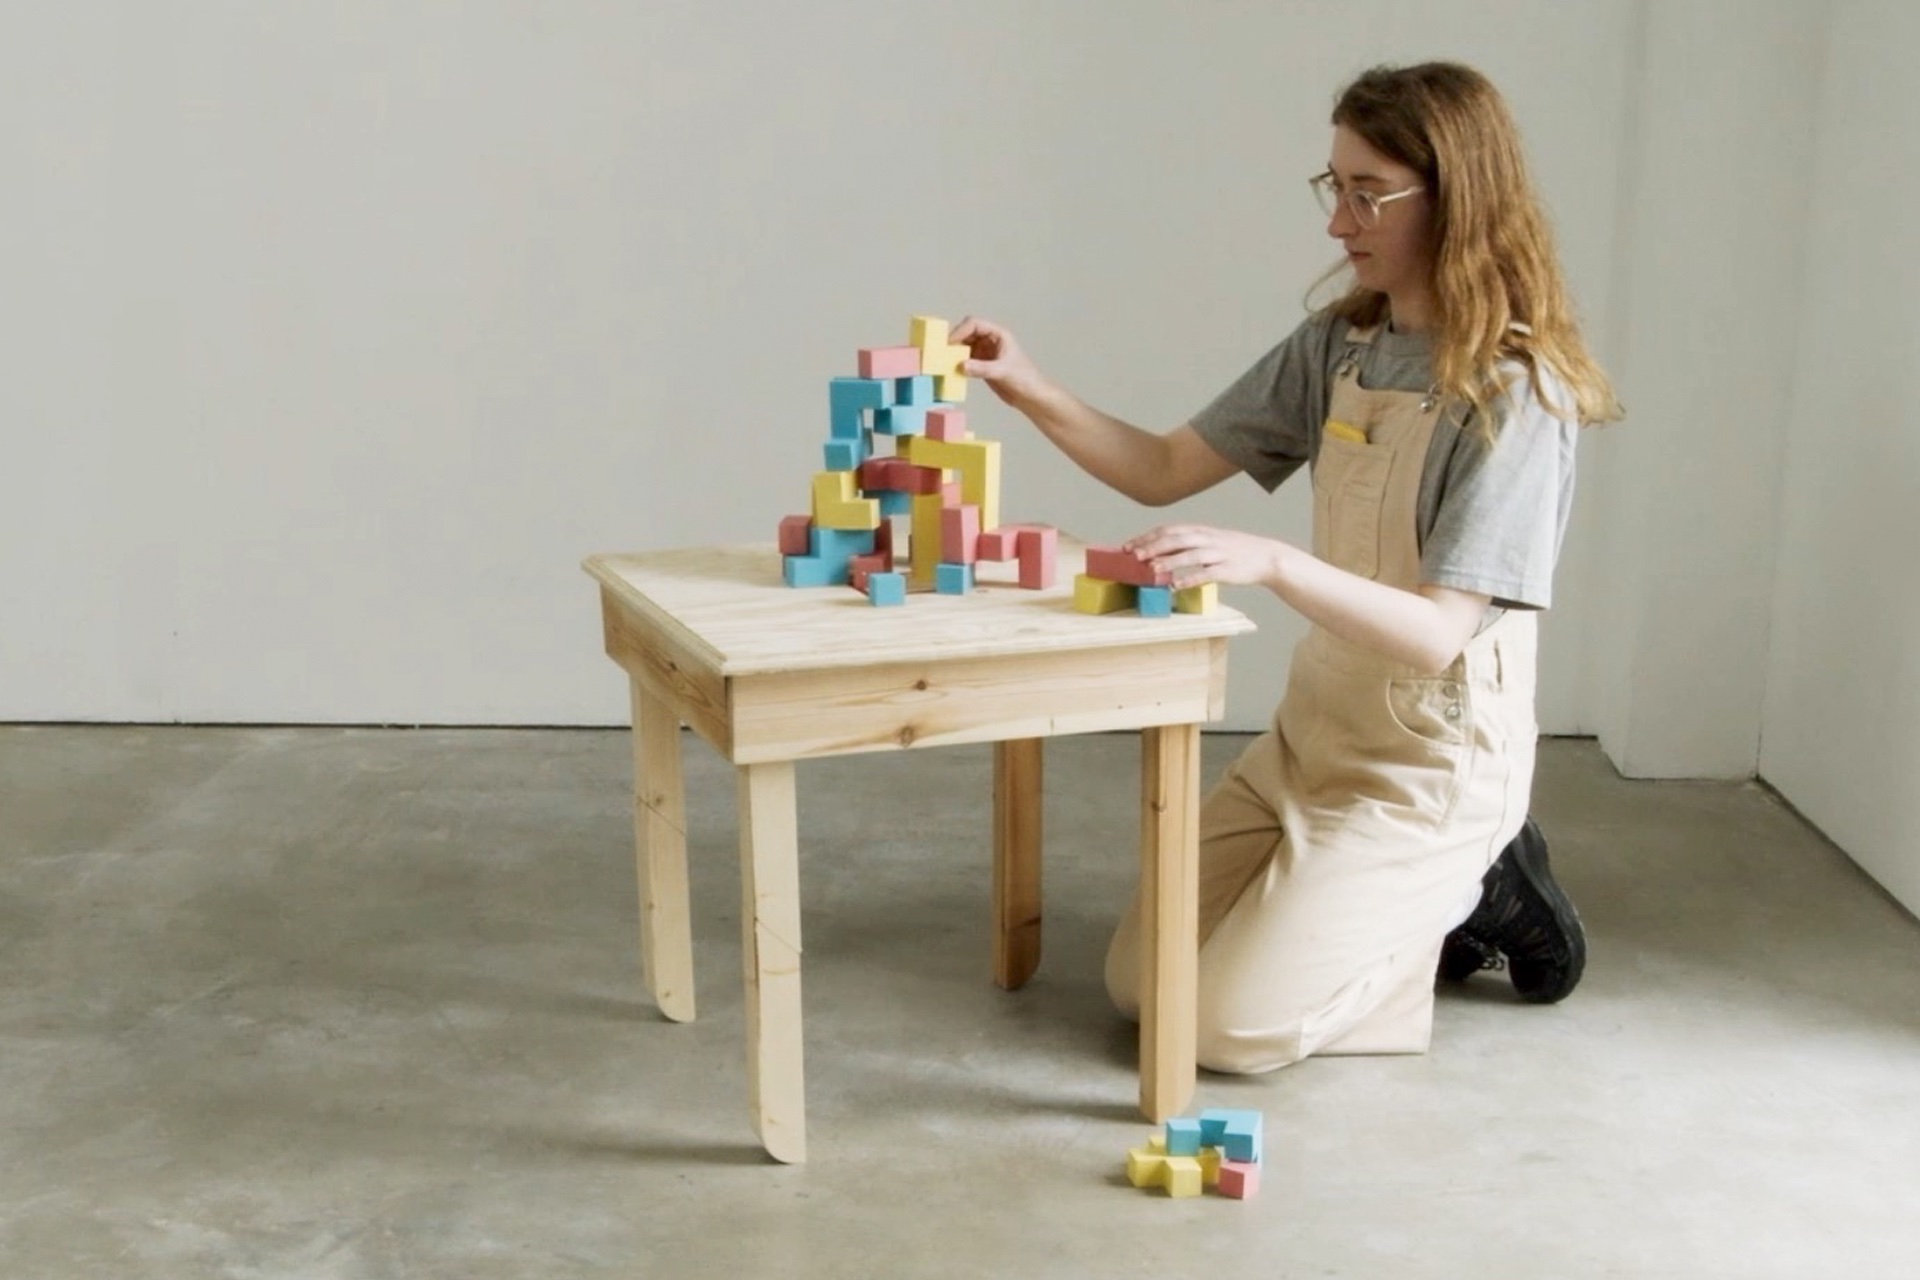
1220	1149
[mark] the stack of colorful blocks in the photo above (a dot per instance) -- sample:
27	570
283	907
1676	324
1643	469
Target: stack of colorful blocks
912	394
1118	580
1220	1149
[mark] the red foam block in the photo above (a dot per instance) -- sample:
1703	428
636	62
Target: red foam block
861	566
1116	565
794	539
999	544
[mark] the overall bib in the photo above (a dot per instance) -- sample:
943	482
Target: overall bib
1346	841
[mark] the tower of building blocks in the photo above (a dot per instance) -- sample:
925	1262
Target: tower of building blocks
940	476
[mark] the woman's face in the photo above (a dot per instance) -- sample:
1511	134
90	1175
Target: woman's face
1394	255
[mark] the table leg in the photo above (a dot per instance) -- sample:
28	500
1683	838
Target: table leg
1169	916
660	855
770	931
1016	860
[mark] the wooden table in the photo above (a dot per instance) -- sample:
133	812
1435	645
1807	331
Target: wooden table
770	674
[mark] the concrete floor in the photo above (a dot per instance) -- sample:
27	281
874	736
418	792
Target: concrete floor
361	1003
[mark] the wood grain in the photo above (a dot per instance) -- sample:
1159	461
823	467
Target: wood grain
733	614
1017	844
770	934
660	855
890	706
1170	918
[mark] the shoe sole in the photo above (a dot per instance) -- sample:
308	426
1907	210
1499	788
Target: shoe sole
1530	857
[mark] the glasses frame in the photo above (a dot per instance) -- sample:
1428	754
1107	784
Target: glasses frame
1364	205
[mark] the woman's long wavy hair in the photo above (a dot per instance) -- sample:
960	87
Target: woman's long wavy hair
1497	290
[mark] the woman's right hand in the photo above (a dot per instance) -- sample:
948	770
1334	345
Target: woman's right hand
998	361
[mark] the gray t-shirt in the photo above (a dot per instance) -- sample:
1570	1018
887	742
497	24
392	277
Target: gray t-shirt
1491	517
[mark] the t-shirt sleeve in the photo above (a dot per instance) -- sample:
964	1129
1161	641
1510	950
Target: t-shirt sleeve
1502	511
1263	423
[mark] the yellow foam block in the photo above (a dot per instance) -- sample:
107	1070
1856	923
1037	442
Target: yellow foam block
1146	1167
924	544
1209	1159
837	506
926	333
1200	599
950	387
943	361
1345	431
977	461
1097	595
1183	1176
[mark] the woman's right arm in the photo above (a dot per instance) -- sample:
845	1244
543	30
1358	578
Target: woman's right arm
1153	469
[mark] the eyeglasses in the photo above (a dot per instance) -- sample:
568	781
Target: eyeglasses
1364	204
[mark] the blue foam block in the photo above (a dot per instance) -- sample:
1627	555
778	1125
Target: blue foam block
1156	602
917	390
953	579
901	419
894	502
1238	1132
1183	1137
813	571
849	398
845	454
887	588
840	545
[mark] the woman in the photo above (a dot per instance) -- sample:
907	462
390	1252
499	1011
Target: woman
1437	402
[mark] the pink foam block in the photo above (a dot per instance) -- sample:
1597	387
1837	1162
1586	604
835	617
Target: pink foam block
793	536
1039	546
1116	565
999	544
1239	1180
946	424
959	534
950	494
889	362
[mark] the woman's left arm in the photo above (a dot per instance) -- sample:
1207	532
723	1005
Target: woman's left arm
1426	629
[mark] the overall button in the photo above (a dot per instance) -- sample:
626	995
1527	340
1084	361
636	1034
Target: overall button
1453	711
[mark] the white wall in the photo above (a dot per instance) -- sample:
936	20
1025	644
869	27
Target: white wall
338	332
1701	344
1842	730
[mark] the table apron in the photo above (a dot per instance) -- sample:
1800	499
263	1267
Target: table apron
794	715
671	670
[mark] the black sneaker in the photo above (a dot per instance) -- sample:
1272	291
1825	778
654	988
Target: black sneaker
1524	924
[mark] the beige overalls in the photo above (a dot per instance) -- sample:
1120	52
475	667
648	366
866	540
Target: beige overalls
1343	844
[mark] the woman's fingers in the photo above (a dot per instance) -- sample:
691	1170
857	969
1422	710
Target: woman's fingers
1191	554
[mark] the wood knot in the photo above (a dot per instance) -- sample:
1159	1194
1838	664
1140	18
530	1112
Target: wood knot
920	686
906	735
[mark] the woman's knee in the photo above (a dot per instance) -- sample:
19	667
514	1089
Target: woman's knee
1239	1052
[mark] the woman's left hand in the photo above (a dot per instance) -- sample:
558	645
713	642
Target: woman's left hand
1196	553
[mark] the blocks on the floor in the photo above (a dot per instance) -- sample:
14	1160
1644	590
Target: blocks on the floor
1220	1149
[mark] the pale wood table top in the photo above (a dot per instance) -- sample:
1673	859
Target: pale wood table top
730	607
